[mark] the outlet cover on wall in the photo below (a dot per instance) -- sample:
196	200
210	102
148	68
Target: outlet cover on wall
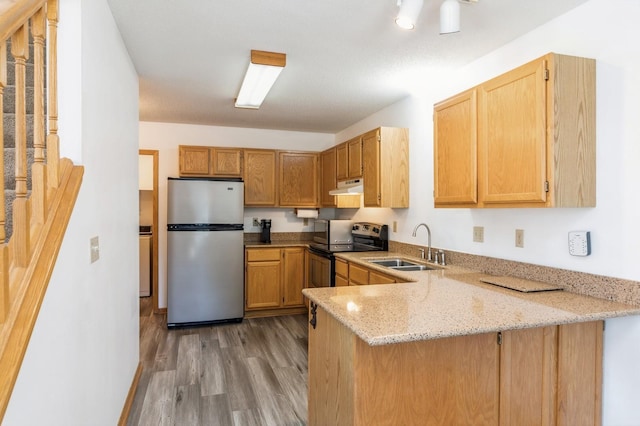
520	238
478	234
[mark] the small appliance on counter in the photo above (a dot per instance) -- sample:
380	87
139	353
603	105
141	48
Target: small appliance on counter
265	233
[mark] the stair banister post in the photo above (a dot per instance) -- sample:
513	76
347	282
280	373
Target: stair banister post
5	302
20	52
38	169
53	140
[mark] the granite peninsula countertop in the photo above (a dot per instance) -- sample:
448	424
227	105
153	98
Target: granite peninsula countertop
447	302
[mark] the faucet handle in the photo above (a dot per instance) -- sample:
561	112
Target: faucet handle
421	253
442	261
436	256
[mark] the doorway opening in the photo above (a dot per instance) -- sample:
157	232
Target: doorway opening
148	193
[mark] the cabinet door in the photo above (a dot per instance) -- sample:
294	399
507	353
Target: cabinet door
319	271
298	185
527	376
512	136
293	280
193	160
342	161
328	177
226	162
454	151
371	175
379	278
259	177
355	158
263	280
358	275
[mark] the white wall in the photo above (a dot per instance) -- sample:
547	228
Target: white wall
165	137
84	349
600	29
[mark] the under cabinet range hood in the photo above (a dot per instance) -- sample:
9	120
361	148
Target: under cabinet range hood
348	187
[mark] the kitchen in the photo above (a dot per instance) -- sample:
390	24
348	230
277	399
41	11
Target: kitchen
545	229
593	30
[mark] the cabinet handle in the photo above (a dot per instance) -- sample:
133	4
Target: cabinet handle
313	319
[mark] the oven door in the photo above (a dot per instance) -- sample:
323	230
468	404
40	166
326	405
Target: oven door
321	269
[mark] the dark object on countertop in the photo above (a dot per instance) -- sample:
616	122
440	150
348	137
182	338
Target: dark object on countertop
265	234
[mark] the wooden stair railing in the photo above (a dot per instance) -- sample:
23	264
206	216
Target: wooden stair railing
39	219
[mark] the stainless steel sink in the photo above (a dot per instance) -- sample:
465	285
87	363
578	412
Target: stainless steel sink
401	265
413	268
390	263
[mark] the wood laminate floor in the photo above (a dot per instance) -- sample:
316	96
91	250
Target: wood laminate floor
251	373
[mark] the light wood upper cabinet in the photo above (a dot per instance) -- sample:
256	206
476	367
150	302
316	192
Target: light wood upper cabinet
342	161
385	156
354	147
193	160
259	177
298	184
535	138
455	151
226	161
210	161
328	177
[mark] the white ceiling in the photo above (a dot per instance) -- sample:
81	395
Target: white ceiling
345	59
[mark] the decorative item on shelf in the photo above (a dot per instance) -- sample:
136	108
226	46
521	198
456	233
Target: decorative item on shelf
306	213
264	69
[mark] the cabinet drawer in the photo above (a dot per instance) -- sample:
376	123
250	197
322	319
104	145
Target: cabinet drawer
342	268
358	274
261	255
378	278
341	282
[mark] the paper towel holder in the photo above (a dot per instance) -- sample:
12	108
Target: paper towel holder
306	213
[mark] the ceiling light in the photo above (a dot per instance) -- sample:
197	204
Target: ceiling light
449	17
408	14
264	69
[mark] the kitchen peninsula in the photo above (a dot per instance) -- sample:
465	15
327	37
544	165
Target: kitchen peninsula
449	349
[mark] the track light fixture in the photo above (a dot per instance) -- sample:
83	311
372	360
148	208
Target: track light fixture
449	17
408	13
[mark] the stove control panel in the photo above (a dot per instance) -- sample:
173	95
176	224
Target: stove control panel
372	230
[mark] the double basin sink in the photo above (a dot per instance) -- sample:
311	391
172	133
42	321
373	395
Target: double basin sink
402	264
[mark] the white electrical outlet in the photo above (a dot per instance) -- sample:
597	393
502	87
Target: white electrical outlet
256	221
520	238
478	234
94	249
580	243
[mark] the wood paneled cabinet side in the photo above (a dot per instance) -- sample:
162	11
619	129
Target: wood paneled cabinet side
385	156
328	177
549	375
298	179
536	135
260	177
455	151
354	146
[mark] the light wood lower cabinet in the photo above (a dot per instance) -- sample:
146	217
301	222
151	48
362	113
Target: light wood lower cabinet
342	273
549	375
361	275
274	279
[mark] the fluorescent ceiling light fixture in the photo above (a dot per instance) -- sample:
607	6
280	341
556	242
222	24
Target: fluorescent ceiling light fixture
264	69
408	14
450	17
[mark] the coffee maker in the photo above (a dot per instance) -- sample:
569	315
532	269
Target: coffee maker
265	234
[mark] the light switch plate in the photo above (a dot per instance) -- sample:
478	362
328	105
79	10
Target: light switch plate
580	243
94	247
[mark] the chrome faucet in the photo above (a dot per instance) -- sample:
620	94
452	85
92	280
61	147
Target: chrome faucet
429	258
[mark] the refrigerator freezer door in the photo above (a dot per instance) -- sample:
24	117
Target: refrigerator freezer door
205	201
205	274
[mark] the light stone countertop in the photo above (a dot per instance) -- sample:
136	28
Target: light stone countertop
448	302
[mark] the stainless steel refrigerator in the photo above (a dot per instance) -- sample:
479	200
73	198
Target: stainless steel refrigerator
205	251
